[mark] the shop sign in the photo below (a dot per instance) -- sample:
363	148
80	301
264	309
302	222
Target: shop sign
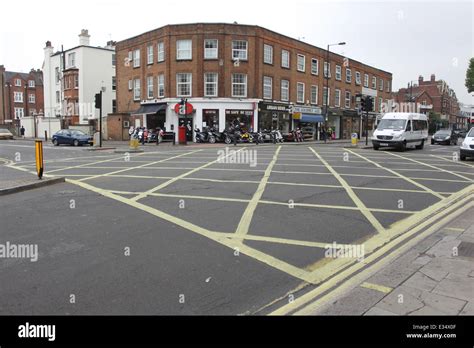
239	112
307	110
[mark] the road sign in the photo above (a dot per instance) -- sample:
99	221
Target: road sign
39	158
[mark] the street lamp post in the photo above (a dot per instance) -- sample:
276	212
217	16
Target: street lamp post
326	80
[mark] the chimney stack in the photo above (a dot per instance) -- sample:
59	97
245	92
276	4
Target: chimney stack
48	44
420	79
84	38
2	68
433	78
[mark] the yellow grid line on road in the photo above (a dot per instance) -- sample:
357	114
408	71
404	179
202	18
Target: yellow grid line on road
169	182
410	180
140	166
453	163
431	166
363	209
246	219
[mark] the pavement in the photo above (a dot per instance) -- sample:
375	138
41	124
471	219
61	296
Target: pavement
200	230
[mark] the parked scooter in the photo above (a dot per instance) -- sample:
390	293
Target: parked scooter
205	136
276	136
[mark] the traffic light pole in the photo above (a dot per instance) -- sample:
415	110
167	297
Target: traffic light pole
100	120
367	128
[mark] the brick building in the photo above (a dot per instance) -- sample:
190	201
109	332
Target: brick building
432	96
230	70
21	95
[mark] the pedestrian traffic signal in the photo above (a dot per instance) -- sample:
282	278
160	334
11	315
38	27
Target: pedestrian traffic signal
98	100
369	104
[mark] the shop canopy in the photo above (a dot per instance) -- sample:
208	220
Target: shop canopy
150	108
310	118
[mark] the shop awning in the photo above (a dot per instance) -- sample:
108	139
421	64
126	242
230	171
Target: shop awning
311	118
150	108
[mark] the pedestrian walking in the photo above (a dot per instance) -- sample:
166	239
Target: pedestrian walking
324	134
131	130
22	132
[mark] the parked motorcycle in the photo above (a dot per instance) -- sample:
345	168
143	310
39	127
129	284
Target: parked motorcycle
205	136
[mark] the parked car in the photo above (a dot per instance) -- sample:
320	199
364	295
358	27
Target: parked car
445	136
71	137
467	147
461	133
5	134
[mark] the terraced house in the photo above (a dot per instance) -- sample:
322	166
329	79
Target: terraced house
226	71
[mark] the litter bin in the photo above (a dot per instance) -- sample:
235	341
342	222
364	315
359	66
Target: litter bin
182	135
354	139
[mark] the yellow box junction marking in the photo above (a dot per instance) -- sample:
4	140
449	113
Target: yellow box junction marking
360	205
246	219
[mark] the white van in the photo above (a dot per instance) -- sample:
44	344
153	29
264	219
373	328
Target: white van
401	130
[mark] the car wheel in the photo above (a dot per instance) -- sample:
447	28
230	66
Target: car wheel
463	157
420	147
403	146
432	142
55	142
76	142
376	147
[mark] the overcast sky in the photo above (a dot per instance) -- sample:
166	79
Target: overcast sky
404	37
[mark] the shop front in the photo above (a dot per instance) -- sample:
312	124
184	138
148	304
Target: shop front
274	116
150	116
351	123
334	123
245	118
309	120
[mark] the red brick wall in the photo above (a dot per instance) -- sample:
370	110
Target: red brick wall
254	67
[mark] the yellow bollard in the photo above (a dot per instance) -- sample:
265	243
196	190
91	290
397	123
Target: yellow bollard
39	158
354	139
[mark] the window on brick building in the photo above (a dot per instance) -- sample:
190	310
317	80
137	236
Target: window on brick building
347	100
268	54
183	84
130	85
184	49
161	51
380	104
366	80
31	98
348	75
314	94
300	92
18	97
211	49
76	81
327	69
326	95
136	58
357	78
285	59
210	84
136	89
381	84
374	82
19	112
161	85
18	82
239	49
300	62
338	73
285	90
267	87
149	87
388	86
314	66
239	85
337	97
31	83
149	51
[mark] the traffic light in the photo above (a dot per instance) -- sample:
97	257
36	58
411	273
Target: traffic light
363	104
369	104
98	100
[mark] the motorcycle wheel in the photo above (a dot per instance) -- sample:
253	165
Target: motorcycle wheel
212	140
228	140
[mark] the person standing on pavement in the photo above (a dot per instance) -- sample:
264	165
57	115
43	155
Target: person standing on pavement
22	132
131	130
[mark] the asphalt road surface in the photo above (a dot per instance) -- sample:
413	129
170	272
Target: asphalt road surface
174	230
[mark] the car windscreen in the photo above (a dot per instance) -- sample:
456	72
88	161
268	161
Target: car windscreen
443	132
392	124
4	130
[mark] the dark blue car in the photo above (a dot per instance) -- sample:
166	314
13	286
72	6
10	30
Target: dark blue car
71	137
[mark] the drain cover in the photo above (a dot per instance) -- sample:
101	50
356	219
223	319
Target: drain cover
466	249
